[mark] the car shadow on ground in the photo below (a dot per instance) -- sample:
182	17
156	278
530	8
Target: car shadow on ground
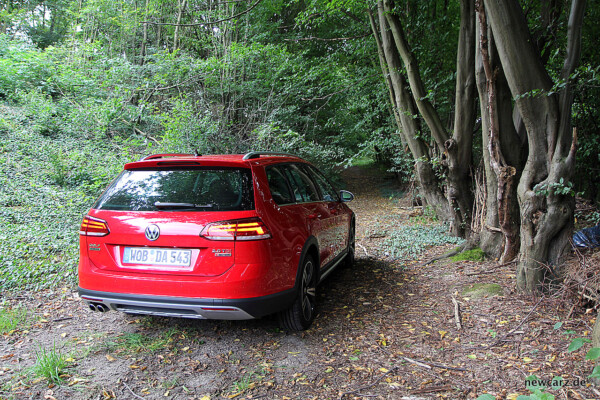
360	290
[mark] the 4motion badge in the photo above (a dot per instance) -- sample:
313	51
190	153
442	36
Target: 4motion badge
222	252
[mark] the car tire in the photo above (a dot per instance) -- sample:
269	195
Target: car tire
301	314
349	259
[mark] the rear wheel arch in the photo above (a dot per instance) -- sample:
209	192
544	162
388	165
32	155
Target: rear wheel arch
311	247
300	314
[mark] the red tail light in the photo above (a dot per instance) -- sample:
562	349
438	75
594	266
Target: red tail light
93	227
243	229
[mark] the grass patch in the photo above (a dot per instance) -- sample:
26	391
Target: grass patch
475	254
410	241
50	364
141	343
365	161
12	319
479	290
248	381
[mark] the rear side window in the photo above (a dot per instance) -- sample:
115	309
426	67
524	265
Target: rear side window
303	187
280	190
327	190
198	189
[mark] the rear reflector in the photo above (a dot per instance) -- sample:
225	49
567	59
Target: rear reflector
242	229
93	227
219	309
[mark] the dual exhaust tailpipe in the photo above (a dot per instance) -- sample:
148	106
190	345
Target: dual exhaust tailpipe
98	307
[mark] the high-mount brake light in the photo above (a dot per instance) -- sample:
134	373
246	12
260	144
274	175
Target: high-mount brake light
93	227
243	229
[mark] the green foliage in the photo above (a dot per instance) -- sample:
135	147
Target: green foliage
593	353
409	242
557	326
593	218
50	364
22	68
577	343
12	319
48	184
470	255
555	188
595	373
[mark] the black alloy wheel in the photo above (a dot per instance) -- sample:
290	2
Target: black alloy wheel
301	314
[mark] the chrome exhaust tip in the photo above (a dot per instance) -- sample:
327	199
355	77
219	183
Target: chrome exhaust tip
101	308
92	307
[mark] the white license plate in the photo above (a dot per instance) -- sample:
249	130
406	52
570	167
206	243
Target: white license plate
157	256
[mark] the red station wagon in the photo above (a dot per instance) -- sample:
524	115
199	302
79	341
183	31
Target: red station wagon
215	237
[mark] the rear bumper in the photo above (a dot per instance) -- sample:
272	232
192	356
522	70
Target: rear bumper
183	307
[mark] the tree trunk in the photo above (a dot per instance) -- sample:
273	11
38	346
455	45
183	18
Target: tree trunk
459	147
456	149
505	174
144	36
546	211
182	5
511	145
405	108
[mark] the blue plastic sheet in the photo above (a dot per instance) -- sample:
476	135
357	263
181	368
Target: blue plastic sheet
587	238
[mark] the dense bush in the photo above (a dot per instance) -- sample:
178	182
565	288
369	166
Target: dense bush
47	186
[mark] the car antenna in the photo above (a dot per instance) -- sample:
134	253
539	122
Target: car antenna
196	154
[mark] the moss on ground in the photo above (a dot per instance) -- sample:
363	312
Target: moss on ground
479	290
475	254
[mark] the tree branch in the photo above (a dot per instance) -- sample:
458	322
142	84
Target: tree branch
209	22
329	39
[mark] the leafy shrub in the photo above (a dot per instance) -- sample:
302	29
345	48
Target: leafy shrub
48	184
22	67
273	138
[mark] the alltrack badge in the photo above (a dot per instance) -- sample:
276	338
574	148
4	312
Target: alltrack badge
152	232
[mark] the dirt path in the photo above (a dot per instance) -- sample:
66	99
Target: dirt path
386	330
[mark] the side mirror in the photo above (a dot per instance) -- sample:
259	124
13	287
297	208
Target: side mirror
346	196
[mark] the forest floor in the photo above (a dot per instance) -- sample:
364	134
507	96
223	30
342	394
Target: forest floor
386	329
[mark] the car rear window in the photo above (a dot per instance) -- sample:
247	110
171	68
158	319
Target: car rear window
197	189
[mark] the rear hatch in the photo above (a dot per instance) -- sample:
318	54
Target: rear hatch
150	220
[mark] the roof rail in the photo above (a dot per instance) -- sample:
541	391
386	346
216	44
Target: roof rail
167	155
257	154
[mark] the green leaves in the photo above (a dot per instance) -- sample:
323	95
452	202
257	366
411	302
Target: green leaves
593	353
577	343
410	241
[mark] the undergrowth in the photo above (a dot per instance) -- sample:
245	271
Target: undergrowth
409	241
48	183
12	319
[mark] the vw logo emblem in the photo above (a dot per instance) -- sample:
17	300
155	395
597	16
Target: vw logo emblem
152	232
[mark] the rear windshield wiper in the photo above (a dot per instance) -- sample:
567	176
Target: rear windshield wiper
160	205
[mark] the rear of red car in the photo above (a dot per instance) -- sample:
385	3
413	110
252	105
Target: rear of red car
182	237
